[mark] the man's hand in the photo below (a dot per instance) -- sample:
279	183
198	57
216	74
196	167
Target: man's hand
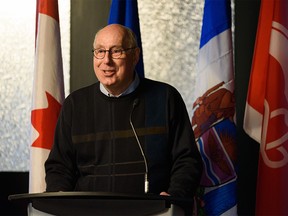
164	194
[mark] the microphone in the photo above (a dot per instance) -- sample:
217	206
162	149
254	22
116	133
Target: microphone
146	186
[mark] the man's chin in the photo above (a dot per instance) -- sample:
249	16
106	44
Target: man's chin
108	81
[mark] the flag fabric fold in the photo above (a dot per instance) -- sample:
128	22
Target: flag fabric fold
266	112
214	110
48	90
125	12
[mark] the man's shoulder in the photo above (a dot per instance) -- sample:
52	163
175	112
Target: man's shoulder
86	90
82	95
155	83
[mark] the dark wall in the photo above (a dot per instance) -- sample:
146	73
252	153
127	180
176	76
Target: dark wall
87	17
13	183
246	19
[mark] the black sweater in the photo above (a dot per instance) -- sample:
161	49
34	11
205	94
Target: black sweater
95	148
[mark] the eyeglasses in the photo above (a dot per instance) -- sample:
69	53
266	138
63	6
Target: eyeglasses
115	53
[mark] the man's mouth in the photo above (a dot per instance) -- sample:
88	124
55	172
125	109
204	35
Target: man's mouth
109	72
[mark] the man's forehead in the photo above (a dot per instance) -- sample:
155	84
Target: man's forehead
113	29
116	38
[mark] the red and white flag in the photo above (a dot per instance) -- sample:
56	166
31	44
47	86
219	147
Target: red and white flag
266	114
48	90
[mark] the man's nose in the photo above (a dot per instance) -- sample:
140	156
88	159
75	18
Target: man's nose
107	56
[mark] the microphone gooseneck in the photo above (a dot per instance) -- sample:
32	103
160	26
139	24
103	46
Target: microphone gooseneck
146	181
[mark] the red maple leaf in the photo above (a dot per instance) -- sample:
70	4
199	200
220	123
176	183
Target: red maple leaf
44	121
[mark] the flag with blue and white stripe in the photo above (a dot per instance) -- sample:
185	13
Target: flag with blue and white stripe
125	12
214	110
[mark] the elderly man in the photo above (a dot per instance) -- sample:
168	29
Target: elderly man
123	134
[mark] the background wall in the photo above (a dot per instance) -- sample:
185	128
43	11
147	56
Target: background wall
170	33
17	36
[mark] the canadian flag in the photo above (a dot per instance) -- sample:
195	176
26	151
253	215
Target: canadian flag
48	90
266	114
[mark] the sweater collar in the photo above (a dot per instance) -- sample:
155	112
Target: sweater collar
129	90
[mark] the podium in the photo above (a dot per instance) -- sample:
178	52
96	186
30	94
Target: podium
100	203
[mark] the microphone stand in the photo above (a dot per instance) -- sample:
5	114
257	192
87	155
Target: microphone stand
146	182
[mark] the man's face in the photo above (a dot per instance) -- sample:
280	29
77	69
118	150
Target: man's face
115	74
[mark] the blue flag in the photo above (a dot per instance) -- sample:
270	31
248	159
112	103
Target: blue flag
125	12
214	110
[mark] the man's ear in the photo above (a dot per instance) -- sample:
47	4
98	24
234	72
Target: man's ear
136	55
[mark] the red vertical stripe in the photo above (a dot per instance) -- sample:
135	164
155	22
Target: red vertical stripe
49	7
48	89
258	77
268	96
